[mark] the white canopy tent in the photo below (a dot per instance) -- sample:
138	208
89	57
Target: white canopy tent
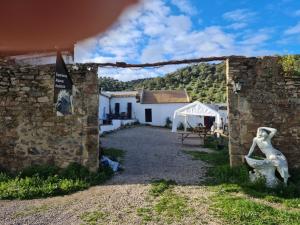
192	110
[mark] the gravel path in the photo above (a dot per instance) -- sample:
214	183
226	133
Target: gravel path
151	153
155	153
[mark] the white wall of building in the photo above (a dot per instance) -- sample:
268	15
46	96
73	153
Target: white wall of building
115	124
160	112
123	104
103	106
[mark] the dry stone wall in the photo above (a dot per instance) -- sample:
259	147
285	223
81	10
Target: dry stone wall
30	131
267	98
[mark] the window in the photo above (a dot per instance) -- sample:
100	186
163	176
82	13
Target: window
129	110
148	115
117	108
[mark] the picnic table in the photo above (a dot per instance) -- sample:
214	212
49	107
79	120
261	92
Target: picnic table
200	132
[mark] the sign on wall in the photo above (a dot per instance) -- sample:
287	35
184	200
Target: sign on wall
63	86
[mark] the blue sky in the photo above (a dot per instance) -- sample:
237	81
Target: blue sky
160	30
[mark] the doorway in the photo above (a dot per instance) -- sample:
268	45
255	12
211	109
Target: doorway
209	121
129	110
148	115
117	108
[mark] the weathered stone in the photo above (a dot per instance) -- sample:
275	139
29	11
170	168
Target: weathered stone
31	133
43	99
33	151
267	98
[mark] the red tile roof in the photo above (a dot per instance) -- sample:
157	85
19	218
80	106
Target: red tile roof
164	96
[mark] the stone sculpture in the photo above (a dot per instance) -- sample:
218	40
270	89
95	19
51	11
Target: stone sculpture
275	160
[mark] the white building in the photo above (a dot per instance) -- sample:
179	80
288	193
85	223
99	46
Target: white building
146	107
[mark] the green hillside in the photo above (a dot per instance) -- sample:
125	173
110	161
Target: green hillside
204	82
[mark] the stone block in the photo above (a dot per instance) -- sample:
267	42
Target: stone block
30	131
269	99
43	99
236	160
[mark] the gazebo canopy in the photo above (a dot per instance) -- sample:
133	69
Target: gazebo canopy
195	109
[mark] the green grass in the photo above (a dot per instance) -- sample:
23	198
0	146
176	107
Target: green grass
172	206
234	193
45	181
239	210
160	186
93	218
215	157
164	205
146	213
114	154
32	210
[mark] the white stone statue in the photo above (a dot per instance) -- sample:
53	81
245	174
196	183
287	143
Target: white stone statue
275	160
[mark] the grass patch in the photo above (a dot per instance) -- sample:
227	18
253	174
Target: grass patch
215	143
164	205
172	206
114	154
46	181
93	218
33	210
160	186
239	210
213	158
145	213
233	190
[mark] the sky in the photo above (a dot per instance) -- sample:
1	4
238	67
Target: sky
160	30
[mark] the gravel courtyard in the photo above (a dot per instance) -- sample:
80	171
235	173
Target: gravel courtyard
151	153
155	153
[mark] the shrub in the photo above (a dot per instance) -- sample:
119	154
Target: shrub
45	181
290	65
168	122
180	126
42	171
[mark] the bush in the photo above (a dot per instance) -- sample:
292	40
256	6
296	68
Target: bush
290	65
45	181
42	171
180	126
168	122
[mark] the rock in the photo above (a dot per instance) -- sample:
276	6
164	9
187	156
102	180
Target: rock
43	99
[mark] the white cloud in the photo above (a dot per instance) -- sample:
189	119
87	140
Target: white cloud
239	15
256	39
126	74
152	32
293	30
184	6
237	26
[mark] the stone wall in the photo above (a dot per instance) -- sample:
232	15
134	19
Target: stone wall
30	131
267	98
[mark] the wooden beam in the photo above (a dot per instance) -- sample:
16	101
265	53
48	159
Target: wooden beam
164	63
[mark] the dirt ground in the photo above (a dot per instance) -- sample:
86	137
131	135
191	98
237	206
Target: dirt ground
151	153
